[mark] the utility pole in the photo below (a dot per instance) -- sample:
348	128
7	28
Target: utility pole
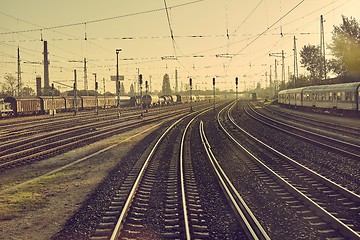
85	78
104	95
150	84
52	100
283	67
270	77
190	81
296	69
19	73
75	90
176	81
282	55
96	95
276	78
322	49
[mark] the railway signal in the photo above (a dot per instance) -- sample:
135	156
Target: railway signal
117	80
147	95
236	83
141	102
75	92
52	100
96	96
214	91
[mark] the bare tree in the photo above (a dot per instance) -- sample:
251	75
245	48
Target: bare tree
8	88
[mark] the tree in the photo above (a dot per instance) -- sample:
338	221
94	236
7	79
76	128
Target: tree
166	89
346	48
132	91
311	60
28	91
8	88
301	81
122	89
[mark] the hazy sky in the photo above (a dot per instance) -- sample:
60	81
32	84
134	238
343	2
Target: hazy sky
211	38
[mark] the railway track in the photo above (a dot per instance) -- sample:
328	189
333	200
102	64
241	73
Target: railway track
330	208
333	128
41	146
343	147
68	139
154	177
160	199
251	225
30	126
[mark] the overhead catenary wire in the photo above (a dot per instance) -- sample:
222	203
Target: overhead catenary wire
170	28
238	41
99	20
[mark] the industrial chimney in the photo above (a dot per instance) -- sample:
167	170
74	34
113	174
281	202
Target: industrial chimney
46	69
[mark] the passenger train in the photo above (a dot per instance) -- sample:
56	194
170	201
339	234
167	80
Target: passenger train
336	97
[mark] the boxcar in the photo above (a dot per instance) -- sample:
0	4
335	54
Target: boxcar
25	105
69	103
48	101
108	102
88	102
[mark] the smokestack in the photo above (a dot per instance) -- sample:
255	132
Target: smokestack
38	86
46	68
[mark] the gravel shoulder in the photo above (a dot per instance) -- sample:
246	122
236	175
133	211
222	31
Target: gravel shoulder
38	209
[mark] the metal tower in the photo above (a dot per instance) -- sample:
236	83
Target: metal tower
282	55
19	73
296	69
322	50
85	78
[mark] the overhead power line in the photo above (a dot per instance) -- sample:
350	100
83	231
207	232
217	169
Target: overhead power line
270	27
100	20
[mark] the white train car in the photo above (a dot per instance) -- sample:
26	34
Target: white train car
343	96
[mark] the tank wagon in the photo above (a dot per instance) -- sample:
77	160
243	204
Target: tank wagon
165	99
150	100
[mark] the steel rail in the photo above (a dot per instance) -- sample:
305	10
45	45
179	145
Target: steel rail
118	226
182	178
346	230
132	193
315	122
254	228
355	146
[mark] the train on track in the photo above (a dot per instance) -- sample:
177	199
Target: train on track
342	97
153	100
19	106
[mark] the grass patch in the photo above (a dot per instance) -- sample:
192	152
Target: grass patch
29	197
16	205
